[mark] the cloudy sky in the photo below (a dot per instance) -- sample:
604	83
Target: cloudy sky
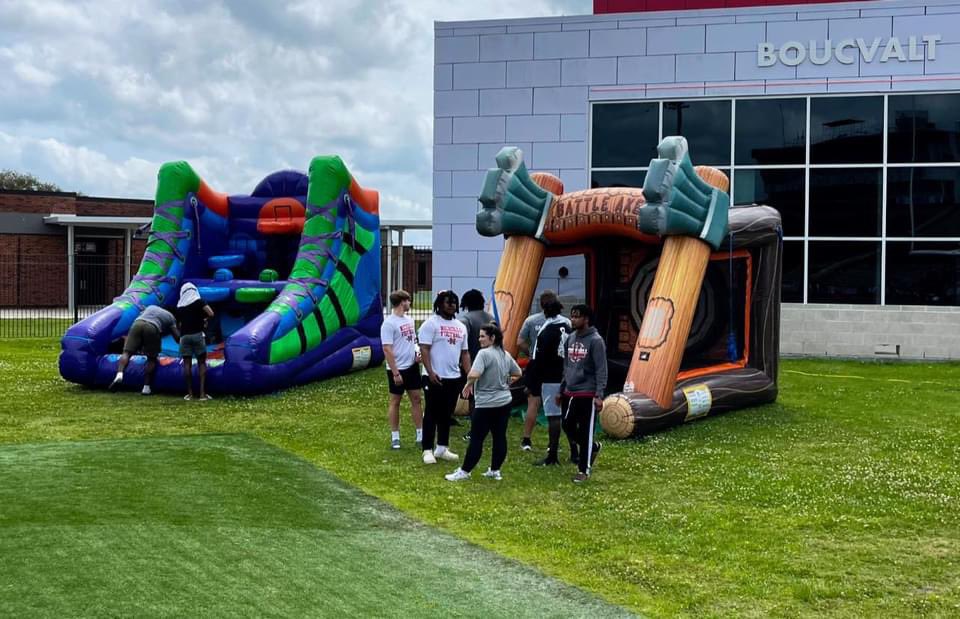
96	95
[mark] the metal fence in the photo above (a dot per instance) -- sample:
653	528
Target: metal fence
34	288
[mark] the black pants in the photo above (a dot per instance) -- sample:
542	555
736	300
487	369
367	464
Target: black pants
485	421
578	420
441	400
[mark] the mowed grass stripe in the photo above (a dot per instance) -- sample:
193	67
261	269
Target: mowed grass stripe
226	525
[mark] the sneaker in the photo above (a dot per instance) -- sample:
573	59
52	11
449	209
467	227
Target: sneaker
448	455
494	475
428	457
596	451
395	444
579	478
188	397
146	390
548	461
205	397
458	475
117	382
525	444
466	437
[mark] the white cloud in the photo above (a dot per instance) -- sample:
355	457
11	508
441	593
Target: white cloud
98	94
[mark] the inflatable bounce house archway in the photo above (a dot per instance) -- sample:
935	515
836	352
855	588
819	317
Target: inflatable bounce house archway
292	272
686	290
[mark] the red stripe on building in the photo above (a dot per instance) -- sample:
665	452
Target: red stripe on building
635	6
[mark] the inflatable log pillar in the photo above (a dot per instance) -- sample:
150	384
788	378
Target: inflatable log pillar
515	205
693	216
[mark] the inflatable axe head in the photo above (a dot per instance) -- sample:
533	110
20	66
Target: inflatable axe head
511	203
678	201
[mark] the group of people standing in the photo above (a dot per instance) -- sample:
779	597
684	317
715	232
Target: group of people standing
465	359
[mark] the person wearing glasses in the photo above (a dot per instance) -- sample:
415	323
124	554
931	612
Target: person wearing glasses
443	346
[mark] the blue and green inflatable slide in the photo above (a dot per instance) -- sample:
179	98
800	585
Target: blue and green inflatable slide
292	272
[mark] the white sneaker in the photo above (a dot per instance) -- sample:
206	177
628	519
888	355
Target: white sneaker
428	457
458	475
495	475
146	390
448	455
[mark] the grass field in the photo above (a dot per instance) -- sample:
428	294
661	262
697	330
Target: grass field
840	499
228	525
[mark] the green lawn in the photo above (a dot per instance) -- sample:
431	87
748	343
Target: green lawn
227	525
840	499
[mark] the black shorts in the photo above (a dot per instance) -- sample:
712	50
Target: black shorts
411	380
533	383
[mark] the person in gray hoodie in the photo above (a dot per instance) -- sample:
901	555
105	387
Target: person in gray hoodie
584	381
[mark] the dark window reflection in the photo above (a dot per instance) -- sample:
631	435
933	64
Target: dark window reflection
923	128
705	124
846	130
845	202
844	272
617	178
923	202
792	286
624	134
771	131
781	189
923	273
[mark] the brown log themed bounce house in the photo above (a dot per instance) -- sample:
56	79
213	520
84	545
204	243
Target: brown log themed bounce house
686	288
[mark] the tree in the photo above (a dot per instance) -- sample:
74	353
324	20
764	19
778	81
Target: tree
11	179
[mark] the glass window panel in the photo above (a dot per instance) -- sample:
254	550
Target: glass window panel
923	128
771	131
923	202
791	289
844	272
617	178
846	130
845	202
923	273
624	134
705	124
781	189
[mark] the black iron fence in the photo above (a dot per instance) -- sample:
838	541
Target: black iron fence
34	289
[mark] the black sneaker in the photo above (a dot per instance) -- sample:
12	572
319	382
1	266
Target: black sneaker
548	461
596	451
525	444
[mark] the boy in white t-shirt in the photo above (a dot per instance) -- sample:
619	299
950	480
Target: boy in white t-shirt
443	342
398	336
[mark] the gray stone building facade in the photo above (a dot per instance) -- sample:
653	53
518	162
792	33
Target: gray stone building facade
845	116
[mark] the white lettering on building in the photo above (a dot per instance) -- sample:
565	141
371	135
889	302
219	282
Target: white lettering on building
793	53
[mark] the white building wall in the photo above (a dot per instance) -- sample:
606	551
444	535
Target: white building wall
529	83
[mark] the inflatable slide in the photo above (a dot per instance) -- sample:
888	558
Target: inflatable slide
292	272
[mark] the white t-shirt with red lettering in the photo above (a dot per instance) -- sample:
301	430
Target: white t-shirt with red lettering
446	339
399	332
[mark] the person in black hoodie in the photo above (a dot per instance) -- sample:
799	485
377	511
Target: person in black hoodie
545	370
581	392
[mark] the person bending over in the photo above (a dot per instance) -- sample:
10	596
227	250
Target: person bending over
443	345
145	335
398	336
192	315
489	382
581	393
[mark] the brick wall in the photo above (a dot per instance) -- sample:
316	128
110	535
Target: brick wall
881	332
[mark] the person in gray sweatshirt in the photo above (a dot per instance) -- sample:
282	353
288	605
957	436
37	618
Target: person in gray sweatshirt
584	381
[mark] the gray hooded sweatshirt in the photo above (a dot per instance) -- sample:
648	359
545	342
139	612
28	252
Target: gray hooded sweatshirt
584	364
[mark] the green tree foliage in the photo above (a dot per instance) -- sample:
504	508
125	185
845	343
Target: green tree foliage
11	179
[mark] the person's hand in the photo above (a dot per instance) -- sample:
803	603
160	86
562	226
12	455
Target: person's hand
397	378
433	377
467	392
598	403
557	399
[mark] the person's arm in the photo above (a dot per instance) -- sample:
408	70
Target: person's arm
426	339
465	361
599	353
515	371
175	333
473	376
207	310
392	364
